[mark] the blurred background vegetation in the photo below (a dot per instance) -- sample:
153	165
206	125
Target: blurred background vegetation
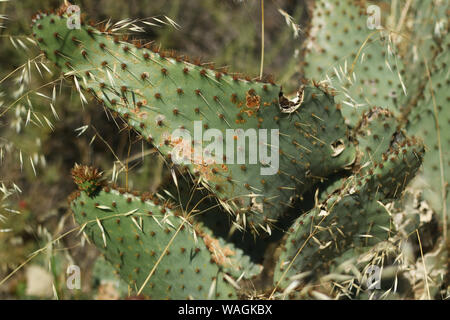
43	133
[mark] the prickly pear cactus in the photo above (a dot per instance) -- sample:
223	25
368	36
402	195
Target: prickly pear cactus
158	94
430	119
135	231
349	49
353	217
356	142
427	37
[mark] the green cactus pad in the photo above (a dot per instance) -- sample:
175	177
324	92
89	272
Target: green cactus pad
374	133
354	217
360	63
133	231
388	159
325	233
158	94
428	24
430	119
385	180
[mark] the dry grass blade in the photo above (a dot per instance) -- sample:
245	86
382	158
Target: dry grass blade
424	266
